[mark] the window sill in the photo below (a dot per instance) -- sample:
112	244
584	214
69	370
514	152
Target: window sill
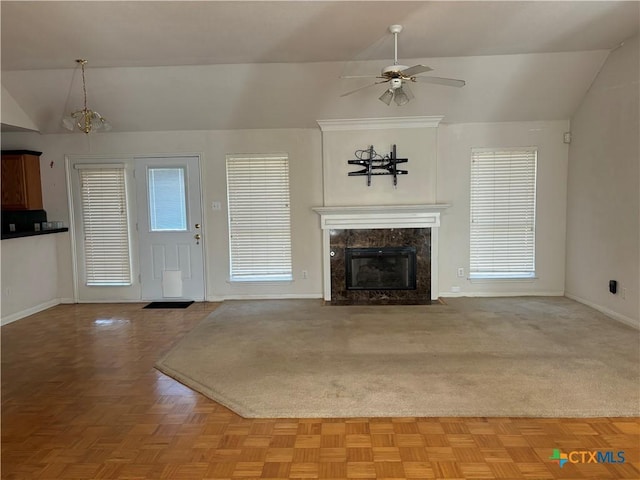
261	280
502	278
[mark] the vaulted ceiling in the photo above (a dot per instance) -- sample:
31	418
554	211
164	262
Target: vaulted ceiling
228	65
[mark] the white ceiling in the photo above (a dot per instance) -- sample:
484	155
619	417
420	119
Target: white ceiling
227	65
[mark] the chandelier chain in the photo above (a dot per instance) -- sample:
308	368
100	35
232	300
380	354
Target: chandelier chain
84	83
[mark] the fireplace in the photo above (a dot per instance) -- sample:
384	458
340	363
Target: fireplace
365	231
380	268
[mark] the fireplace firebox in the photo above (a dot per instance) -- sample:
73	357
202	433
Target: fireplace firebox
380	268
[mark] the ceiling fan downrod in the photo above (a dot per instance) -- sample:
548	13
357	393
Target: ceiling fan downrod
395	29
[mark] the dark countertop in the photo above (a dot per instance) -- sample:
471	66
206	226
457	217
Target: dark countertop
21	152
8	235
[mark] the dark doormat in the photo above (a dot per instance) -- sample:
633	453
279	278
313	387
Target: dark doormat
168	304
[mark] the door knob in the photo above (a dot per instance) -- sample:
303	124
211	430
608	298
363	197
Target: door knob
197	236
197	225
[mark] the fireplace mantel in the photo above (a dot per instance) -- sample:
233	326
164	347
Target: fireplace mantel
387	216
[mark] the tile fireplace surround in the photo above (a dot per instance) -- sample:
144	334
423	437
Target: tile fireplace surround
380	226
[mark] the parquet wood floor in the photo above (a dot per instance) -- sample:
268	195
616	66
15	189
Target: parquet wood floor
81	400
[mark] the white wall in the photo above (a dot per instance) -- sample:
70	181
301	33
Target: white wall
499	88
603	192
454	161
12	114
29	275
302	145
419	145
444	179
439	172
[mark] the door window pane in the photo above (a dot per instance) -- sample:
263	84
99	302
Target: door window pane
167	200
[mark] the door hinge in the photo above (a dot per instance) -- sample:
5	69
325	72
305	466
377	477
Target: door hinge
139	278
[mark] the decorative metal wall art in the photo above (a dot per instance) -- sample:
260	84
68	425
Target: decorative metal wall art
376	164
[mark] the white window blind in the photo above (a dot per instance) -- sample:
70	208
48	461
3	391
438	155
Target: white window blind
503	213
259	217
106	227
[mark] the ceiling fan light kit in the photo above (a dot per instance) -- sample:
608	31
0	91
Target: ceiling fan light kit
86	120
387	96
398	76
400	97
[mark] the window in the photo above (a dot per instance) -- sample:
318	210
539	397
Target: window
167	199
259	217
503	213
105	224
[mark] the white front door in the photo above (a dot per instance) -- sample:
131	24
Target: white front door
170	228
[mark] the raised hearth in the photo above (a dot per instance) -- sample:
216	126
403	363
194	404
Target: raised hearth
368	230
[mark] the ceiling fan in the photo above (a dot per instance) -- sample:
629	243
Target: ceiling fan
397	76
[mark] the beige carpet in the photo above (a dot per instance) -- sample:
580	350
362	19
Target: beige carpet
527	356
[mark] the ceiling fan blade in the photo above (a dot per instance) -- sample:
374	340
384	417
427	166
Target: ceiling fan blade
361	76
450	82
415	70
362	88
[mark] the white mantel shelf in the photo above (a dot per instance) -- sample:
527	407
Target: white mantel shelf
365	209
387	216
383	216
379	123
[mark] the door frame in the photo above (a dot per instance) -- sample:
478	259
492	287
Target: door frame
203	240
129	160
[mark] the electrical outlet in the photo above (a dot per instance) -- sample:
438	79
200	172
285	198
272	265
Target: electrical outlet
455	289
461	272
305	274
216	206
623	293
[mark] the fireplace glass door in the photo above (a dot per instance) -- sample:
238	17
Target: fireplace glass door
387	268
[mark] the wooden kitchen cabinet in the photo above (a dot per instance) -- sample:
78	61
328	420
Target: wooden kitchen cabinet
21	186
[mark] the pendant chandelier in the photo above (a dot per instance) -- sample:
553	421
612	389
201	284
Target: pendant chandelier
86	120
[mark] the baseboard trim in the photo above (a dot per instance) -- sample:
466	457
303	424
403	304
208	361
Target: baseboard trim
558	293
112	301
608	312
287	296
29	311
